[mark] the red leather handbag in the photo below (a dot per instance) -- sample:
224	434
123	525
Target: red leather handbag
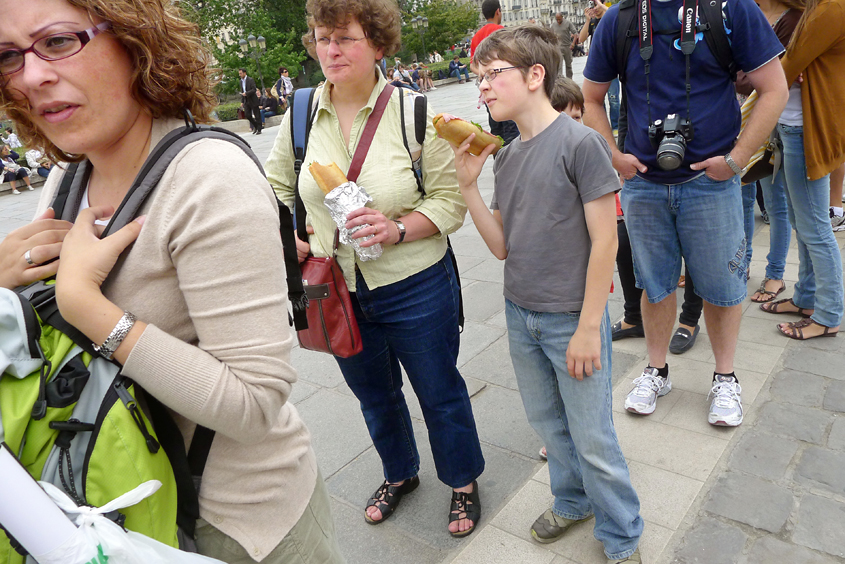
331	322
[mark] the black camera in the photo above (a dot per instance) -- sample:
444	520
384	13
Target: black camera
670	137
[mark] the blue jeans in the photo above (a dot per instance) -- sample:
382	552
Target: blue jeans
415	322
265	114
586	466
457	73
700	220
819	283
780	230
613	99
749	196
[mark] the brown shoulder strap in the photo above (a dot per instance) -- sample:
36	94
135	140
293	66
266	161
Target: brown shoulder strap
369	132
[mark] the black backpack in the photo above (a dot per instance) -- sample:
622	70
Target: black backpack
710	14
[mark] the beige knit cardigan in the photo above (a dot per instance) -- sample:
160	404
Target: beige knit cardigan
207	275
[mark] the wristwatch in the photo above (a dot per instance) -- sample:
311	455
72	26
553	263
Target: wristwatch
106	350
731	163
401	227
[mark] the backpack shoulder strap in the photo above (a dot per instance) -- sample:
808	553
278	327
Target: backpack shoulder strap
712	22
303	105
626	31
74	180
414	120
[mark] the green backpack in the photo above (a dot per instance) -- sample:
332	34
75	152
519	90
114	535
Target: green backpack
69	415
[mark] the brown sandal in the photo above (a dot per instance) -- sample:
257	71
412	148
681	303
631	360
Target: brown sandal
796	330
773	307
768	295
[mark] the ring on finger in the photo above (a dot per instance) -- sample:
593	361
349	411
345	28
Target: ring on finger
28	257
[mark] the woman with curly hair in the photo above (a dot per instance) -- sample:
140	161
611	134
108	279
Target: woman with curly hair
406	301
103	81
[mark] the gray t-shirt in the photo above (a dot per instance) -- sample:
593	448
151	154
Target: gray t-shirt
540	188
564	31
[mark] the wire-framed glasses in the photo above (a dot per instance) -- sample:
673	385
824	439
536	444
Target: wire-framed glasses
54	47
491	74
342	42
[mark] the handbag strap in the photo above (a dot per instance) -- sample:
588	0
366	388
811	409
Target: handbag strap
369	132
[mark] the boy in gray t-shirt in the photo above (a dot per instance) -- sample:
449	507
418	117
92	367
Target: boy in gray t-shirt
554	224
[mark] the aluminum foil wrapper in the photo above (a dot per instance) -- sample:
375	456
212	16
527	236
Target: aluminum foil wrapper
342	200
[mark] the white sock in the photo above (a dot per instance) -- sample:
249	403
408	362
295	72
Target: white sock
836	211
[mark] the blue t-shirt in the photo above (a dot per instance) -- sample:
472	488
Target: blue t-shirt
714	109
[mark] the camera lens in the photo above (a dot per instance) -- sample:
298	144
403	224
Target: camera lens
670	153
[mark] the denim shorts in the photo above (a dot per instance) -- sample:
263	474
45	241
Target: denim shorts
700	220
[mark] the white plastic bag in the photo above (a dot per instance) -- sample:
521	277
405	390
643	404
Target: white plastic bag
108	540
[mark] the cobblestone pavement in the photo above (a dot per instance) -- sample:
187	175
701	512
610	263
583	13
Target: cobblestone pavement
772	490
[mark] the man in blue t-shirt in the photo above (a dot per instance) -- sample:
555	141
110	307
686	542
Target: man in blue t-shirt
695	210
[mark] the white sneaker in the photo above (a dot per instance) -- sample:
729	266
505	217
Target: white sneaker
647	388
837	222
16	191
30	188
726	407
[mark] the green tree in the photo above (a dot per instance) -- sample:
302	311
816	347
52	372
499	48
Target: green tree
280	22
448	23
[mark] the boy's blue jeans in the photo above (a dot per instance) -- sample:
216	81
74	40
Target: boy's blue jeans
457	73
574	418
415	322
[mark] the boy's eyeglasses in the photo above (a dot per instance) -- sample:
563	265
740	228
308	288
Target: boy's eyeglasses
53	47
343	42
491	75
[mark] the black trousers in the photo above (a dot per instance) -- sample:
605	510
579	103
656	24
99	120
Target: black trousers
690	310
253	114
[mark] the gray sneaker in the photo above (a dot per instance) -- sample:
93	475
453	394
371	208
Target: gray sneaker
726	407
647	388
633	559
549	527
837	222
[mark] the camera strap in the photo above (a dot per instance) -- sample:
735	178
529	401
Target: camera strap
688	31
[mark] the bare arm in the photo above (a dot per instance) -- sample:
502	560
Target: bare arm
489	224
770	84
585	29
584	349
595	117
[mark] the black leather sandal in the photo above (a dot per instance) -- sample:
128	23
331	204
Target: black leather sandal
386	499
465	506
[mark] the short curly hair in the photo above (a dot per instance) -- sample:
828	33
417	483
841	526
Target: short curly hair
381	21
170	66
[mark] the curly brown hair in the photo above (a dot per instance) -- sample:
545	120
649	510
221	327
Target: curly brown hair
170	66
381	21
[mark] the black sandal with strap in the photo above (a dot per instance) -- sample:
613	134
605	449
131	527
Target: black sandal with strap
465	506
767	296
386	499
796	330
774	307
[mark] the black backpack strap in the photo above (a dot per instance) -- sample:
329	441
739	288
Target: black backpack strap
67	186
626	31
712	24
420	117
296	290
173	443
